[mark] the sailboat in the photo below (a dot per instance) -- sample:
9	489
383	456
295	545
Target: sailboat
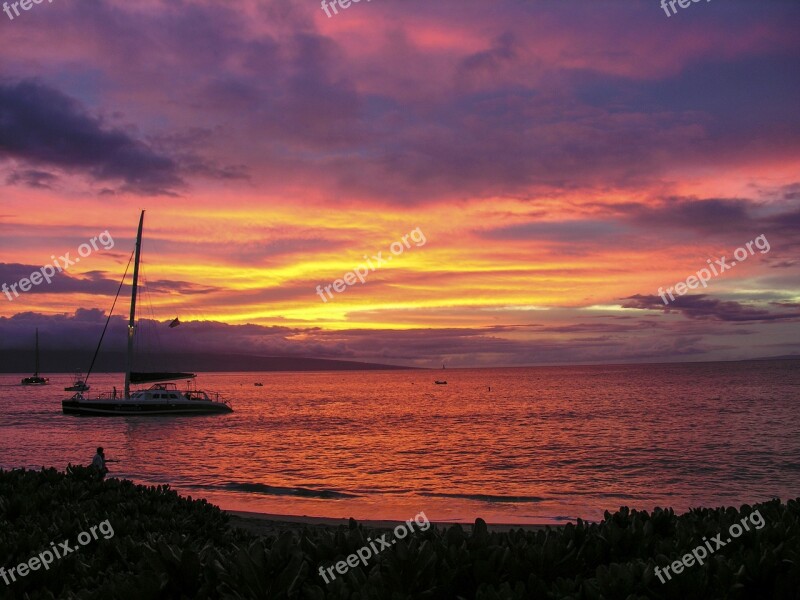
161	398
35	379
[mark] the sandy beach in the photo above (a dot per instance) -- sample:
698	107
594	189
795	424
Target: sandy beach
265	524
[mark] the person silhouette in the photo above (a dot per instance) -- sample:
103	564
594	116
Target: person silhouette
99	462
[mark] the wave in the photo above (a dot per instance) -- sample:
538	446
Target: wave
274	490
485	497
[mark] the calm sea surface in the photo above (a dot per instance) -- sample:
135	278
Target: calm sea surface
544	445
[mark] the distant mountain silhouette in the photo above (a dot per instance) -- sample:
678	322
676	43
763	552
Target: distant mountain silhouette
68	361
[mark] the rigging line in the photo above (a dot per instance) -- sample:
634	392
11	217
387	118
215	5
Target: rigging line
152	333
143	322
143	361
111	312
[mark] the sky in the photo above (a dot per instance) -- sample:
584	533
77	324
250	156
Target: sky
554	166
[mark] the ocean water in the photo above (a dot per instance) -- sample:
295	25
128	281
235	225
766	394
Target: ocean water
543	445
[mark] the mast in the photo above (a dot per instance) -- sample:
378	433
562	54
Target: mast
36	374
132	319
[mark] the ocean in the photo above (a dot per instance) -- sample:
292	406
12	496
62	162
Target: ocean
514	445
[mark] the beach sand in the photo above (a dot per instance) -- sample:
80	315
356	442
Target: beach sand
266	524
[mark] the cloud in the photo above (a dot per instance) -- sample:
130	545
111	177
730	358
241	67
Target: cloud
42	126
62	283
92	282
32	178
479	101
566	232
616	340
703	215
479	67
702	307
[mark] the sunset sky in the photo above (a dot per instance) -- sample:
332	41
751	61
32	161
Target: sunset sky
564	160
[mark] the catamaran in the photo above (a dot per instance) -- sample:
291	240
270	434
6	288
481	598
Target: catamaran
159	399
35	379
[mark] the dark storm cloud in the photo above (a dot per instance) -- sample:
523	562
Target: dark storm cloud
703	307
742	218
62	283
93	282
43	126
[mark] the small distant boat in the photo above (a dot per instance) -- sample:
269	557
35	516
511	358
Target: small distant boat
437	382
79	386
257	384
35	379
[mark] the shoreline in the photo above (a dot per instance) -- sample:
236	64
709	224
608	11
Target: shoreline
260	523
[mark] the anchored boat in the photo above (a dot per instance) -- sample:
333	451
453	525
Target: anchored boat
159	399
79	386
36	379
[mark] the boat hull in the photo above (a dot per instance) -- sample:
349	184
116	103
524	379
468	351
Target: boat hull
100	408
